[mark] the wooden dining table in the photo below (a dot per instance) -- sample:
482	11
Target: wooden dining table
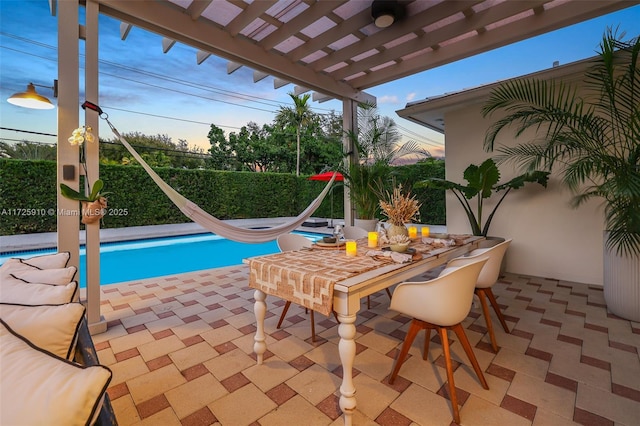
325	279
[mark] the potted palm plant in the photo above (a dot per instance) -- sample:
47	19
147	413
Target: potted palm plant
482	183
593	142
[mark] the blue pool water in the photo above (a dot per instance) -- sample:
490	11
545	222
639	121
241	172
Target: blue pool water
134	260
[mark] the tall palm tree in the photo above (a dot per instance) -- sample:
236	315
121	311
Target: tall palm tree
594	142
299	115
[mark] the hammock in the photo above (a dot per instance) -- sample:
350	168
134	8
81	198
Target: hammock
211	223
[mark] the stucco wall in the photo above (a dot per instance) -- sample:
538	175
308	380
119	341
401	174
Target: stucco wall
550	238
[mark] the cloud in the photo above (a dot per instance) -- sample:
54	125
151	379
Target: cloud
411	96
388	99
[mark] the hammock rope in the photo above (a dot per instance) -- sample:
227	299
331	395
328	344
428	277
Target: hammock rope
206	220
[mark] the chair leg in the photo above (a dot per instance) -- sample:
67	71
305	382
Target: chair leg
496	308
452	387
388	292
427	337
487	318
416	326
336	317
462	336
368	302
284	312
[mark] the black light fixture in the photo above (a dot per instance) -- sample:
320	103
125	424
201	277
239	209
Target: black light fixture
31	99
386	12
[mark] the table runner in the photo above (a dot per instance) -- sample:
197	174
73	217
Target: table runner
307	277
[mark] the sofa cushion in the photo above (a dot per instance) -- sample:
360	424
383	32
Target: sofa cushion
45	261
13	290
46	276
50	327
37	387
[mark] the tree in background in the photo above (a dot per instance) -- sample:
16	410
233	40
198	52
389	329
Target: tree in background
26	150
297	116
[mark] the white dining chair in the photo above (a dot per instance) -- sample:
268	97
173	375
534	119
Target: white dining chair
354	232
289	242
487	278
440	304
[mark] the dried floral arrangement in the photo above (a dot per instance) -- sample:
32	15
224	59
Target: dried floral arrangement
399	208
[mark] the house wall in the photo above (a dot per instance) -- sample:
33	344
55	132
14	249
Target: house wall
550	238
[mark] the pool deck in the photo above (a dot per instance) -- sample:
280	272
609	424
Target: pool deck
26	242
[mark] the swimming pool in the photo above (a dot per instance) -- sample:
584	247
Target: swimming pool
139	259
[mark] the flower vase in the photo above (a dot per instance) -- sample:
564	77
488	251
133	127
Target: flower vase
393	230
93	211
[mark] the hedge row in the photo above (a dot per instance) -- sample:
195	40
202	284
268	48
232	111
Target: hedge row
28	195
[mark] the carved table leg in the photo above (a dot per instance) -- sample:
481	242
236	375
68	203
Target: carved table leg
260	310
347	348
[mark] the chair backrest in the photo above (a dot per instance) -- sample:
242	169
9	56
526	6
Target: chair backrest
491	271
354	232
288	242
445	300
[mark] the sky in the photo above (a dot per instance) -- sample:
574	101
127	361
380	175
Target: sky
155	93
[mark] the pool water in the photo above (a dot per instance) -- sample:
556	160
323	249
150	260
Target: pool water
139	259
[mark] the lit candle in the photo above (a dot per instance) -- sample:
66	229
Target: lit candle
413	232
351	248
425	231
373	239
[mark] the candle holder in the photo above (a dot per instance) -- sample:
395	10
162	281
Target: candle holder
425	231
413	232
372	241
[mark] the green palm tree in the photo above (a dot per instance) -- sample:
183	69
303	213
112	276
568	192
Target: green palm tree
594	142
299	115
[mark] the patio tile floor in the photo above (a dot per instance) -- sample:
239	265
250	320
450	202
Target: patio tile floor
181	351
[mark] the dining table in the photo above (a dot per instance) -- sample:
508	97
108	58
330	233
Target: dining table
326	278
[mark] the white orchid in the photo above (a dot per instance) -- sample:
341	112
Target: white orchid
80	135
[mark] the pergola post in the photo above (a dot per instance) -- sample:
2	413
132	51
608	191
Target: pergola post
97	323
68	224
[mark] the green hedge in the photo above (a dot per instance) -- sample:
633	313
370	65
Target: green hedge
28	193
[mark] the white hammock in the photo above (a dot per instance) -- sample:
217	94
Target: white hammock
215	225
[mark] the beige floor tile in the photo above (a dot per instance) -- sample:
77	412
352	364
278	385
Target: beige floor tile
289	348
138	319
373	397
547	418
154	383
544	395
188	311
158	348
127	370
190	329
242	407
163	324
373	363
421	372
125	411
423	407
465	378
270	374
228	364
296	411
165	417
569	365
358	419
524	364
621	410
106	357
111	333
239	321
382	343
314	384
123	343
477	411
326	355
192	396
192	355
220	335
211	316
